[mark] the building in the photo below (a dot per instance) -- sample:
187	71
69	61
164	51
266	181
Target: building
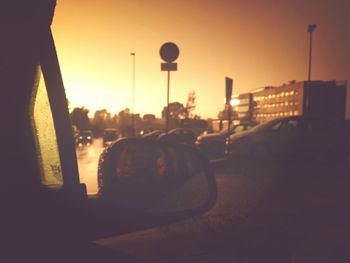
321	99
242	105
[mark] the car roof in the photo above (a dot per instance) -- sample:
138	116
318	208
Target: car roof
110	130
86	131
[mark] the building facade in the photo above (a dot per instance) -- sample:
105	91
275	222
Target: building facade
275	102
319	99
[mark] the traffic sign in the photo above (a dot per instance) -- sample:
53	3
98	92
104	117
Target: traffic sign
168	66
169	52
228	90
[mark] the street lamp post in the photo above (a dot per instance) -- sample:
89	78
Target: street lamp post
133	95
310	29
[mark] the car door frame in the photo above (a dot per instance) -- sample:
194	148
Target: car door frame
59	108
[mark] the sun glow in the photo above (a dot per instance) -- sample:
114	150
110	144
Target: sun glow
94	40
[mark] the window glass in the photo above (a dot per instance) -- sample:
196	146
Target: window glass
276	126
291	125
45	136
239	128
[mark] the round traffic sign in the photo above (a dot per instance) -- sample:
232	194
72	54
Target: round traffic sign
169	52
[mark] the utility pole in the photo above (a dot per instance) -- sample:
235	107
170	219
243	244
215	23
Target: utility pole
310	29
133	95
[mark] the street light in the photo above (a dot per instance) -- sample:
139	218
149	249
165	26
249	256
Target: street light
310	29
133	94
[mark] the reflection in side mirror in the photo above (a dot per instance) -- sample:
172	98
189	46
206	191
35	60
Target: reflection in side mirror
149	177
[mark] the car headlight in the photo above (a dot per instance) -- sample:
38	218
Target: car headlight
89	137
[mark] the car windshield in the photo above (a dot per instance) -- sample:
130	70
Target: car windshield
110	136
141	67
266	125
232	129
86	133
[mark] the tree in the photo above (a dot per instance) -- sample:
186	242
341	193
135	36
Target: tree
149	117
80	118
125	122
101	120
176	111
190	104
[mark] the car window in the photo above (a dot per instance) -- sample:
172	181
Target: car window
277	126
291	125
45	136
239	128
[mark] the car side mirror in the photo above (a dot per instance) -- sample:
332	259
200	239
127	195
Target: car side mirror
152	182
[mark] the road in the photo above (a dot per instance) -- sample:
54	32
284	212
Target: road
87	156
263	212
265	216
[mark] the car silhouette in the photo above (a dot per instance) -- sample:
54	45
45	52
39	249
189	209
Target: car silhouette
213	144
179	135
153	135
85	137
109	136
290	138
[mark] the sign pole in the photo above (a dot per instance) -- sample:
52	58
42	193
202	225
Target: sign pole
167	107
229	106
169	52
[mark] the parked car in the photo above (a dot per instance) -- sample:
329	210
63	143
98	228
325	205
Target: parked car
179	135
85	137
109	136
290	138
153	135
214	144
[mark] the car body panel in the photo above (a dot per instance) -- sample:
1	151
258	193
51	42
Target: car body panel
290	138
179	135
214	144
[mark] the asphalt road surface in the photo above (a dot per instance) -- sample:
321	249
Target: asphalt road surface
263	214
292	212
87	156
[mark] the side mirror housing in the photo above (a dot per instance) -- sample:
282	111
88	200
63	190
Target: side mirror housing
145	183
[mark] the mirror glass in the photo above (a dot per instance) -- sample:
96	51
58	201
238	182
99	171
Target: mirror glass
143	176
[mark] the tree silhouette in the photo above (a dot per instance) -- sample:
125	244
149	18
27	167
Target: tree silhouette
102	119
176	111
79	117
125	122
190	104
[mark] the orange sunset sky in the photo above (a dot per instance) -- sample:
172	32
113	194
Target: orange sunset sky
257	43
